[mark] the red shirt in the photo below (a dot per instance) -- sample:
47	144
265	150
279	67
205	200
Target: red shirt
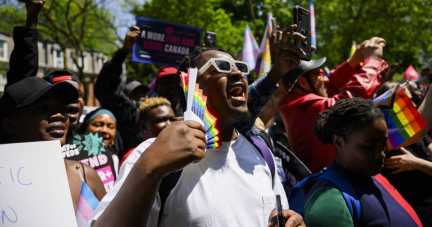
299	112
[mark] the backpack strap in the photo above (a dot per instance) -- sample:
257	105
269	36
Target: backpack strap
264	151
165	188
347	191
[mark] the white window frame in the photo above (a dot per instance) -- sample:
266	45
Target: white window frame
5	48
58	62
2	82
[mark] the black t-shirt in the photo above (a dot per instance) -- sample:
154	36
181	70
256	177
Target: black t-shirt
415	186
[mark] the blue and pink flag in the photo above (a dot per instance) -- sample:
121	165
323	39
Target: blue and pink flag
87	204
312	14
263	63
250	49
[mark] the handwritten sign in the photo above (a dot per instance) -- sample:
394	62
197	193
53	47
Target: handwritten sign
164	43
34	190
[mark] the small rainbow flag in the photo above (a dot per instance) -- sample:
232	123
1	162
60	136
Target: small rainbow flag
402	118
205	113
87	203
185	80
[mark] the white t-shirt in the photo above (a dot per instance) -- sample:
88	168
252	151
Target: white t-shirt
231	186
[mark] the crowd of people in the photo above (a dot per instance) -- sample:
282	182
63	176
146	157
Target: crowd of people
317	141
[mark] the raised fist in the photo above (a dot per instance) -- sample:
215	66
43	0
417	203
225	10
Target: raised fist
131	37
33	8
374	48
176	146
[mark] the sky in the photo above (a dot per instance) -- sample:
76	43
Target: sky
123	20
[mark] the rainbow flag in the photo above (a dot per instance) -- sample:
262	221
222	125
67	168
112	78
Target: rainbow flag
185	80
87	204
204	113
402	118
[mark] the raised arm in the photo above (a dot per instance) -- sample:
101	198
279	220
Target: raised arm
286	58
109	77
23	61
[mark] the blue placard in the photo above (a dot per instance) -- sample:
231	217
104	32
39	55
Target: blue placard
164	43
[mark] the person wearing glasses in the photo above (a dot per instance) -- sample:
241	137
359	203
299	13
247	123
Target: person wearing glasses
310	92
233	185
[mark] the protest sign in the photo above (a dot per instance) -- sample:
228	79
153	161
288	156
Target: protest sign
90	149
164	43
34	189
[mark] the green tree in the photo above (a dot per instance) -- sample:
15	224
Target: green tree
83	25
405	25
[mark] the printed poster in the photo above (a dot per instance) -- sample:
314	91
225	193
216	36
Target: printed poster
90	149
164	43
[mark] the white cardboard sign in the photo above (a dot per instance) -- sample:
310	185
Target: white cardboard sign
34	190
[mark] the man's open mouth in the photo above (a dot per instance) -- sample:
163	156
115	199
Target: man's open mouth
237	92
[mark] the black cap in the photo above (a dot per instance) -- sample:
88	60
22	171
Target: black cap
130	87
31	89
292	76
61	75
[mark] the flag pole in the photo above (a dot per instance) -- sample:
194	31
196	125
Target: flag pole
79	172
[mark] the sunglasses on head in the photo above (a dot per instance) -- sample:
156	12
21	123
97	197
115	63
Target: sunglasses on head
224	66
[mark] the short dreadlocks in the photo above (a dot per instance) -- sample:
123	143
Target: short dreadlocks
344	117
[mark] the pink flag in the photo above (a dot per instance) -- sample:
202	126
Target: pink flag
411	74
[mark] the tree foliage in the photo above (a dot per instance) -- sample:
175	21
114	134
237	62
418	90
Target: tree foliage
83	25
405	25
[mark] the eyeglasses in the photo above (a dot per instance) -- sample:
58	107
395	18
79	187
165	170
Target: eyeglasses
224	66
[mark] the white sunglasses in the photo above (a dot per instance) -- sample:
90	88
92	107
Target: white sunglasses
224	66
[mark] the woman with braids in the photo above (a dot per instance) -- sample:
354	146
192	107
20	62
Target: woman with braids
356	127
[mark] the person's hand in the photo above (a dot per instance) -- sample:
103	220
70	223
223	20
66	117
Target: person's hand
33	7
374	48
393	68
404	162
176	146
130	39
358	55
293	219
273	45
287	54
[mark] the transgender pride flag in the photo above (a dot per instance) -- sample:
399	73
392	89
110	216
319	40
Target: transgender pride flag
250	49
312	14
87	204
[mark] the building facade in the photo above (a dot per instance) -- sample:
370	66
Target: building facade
52	58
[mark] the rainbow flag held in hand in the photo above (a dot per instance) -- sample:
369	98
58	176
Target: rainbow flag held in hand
198	110
402	118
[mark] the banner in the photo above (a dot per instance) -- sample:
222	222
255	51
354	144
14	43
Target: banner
34	188
164	43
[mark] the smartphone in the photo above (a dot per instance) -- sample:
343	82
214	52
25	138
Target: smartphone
280	217
210	39
274	30
302	19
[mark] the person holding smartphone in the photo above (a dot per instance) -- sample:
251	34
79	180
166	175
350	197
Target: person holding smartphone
310	92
